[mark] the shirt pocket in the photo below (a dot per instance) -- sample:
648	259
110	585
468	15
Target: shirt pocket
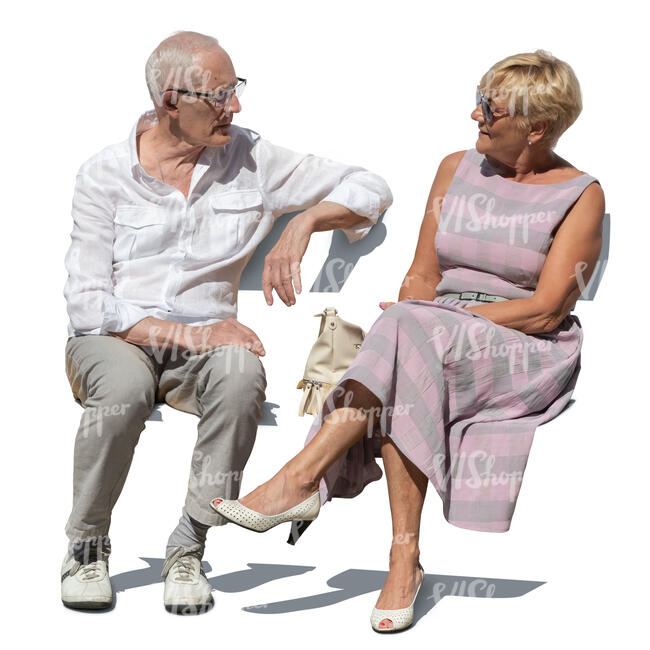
227	223
140	231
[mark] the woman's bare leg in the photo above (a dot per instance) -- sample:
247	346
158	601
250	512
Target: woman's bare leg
299	478
407	486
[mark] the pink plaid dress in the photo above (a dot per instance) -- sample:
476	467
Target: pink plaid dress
462	396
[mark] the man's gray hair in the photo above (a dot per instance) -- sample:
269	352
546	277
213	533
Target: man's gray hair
175	63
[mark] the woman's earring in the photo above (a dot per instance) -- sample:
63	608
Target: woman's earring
529	142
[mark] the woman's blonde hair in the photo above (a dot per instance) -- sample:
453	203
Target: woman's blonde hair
537	87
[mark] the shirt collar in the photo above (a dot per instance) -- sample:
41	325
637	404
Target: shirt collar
146	121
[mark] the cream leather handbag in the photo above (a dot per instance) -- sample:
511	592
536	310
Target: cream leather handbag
336	347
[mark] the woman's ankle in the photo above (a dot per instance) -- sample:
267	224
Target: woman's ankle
404	549
303	479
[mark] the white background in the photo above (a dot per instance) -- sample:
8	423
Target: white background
390	86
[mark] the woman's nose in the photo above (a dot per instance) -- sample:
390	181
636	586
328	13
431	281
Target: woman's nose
477	114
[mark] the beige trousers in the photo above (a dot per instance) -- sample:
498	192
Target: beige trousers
119	382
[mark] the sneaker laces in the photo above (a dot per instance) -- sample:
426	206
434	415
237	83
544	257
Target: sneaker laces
90	571
181	562
183	569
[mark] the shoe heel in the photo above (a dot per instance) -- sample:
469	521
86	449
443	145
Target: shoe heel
298	527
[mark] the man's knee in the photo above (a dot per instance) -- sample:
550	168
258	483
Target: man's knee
109	374
120	388
118	398
235	372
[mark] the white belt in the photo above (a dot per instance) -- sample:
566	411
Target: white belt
475	295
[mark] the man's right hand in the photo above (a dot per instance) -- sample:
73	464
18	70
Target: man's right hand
163	334
201	338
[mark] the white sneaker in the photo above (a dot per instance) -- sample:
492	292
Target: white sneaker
187	590
85	586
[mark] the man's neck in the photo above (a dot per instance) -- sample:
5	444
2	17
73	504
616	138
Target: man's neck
161	145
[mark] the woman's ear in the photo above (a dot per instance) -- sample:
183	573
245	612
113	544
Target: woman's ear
537	131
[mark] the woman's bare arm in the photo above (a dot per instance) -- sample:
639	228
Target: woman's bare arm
569	265
424	275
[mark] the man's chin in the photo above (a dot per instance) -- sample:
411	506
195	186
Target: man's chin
220	139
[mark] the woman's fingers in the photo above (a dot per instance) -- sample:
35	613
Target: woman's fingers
386	305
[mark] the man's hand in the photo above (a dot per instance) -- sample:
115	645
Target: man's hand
202	338
282	264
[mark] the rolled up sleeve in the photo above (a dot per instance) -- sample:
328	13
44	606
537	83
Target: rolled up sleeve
293	181
91	305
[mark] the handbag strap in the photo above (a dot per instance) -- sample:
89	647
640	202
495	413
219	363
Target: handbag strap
329	314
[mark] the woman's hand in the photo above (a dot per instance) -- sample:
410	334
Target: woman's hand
386	305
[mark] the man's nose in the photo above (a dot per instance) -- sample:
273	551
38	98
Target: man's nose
233	104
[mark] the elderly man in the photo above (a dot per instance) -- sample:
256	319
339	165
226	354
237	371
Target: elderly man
164	224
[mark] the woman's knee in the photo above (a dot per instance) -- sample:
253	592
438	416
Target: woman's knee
354	394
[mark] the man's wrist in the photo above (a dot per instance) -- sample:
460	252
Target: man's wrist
305	221
185	336
327	215
157	333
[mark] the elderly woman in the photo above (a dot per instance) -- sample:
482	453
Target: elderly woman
452	381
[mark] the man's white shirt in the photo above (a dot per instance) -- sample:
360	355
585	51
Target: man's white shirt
140	248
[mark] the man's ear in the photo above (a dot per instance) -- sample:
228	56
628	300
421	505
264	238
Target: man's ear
169	100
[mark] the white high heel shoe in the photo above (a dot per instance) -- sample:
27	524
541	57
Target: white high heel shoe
401	618
239	514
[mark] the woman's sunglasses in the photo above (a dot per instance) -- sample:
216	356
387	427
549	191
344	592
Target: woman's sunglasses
488	112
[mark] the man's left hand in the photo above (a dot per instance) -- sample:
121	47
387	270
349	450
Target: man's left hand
282	264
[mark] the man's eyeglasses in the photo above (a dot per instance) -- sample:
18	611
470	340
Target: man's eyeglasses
488	112
220	99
